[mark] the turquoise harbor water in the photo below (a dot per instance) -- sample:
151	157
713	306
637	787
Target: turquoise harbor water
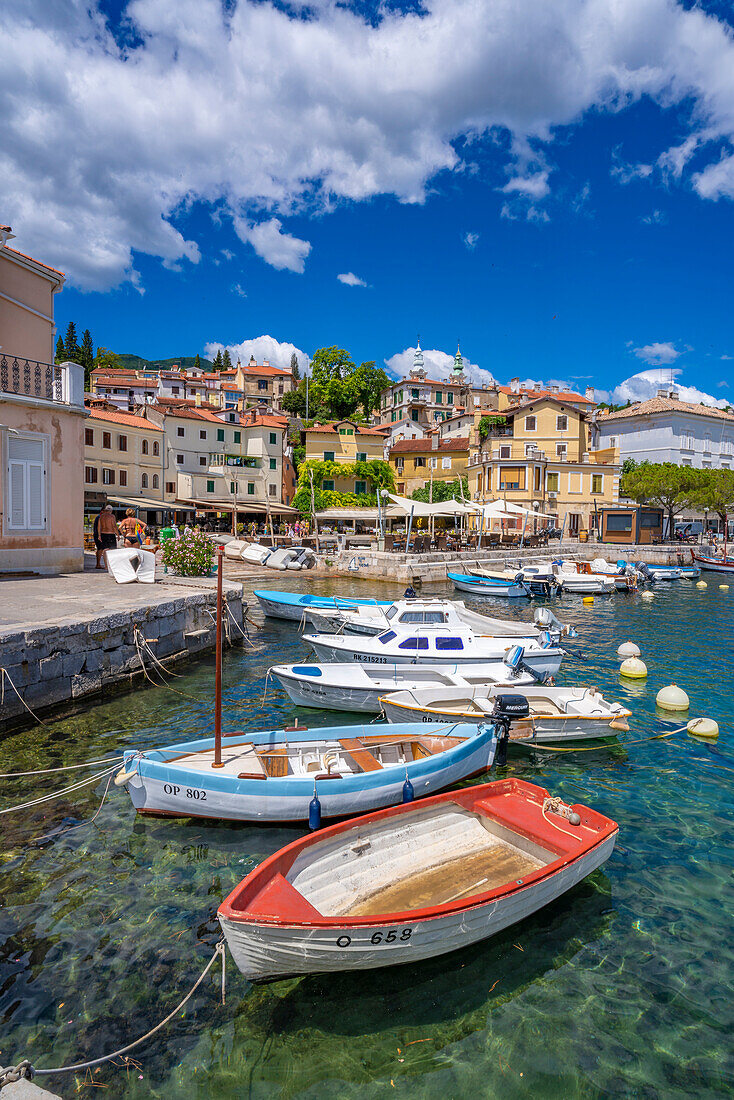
621	988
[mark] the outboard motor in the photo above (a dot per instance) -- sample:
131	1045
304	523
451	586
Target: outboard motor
544	619
515	660
507	709
409	593
645	571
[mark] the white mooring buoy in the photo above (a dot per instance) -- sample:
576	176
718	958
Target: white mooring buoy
633	669
646	595
703	727
628	649
672	698
701	584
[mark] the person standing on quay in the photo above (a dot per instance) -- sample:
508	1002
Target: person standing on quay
132	529
105	529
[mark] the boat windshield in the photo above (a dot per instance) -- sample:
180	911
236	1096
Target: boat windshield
386	637
423	617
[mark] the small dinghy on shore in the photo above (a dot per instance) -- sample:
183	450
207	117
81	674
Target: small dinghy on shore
274	775
557	714
355	687
412	882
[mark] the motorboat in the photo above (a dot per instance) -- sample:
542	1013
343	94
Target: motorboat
488	586
624	576
274	775
296	605
557	714
440	644
370	620
586	584
659	572
412	882
353	687
536	577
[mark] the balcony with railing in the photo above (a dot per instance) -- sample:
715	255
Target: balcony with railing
58	383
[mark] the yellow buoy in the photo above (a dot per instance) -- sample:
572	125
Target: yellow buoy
588	599
648	595
703	727
725	587
633	668
672	698
628	649
701	584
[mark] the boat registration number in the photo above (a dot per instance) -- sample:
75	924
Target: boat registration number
377	939
185	792
368	659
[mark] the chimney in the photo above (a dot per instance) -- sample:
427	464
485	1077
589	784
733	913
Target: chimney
557	389
6	234
514	385
434	441
197	400
662	393
589	393
674	395
266	362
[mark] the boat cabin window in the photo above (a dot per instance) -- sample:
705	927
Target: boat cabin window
414	643
423	617
449	643
387	637
391	612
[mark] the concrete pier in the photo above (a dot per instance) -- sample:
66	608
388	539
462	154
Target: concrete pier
64	638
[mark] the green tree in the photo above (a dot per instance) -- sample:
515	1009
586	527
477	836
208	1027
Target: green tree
715	492
197	363
87	356
295	369
330	363
369	382
217	364
442	490
294	402
72	351
226	360
664	484
628	466
60	350
106	358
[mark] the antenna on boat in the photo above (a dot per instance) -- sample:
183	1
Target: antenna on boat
218	668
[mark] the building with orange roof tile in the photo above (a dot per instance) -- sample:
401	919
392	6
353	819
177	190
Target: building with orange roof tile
124	458
421	463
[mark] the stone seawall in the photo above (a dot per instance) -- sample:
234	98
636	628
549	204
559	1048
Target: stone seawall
71	658
378	565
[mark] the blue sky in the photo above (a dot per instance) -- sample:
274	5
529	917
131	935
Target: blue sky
559	198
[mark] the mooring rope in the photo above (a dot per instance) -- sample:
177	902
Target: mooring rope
162	683
67	768
598	748
57	794
26	1069
3	673
91	821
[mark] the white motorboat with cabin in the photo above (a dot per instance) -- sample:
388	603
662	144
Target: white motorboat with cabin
557	714
353	687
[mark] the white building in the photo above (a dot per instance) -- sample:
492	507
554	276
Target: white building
666	429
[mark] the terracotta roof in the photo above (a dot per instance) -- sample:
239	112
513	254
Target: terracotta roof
127	380
267	421
171	404
195	413
265	370
128	419
331	428
528	401
402	446
664	405
25	256
567	396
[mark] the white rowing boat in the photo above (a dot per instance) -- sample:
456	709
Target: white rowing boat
412	882
557	714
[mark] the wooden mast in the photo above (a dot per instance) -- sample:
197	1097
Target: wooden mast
218	668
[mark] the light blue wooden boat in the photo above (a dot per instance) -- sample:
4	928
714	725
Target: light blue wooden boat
296	605
272	775
487	586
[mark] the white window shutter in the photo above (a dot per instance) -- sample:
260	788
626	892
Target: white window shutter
16	485
36	503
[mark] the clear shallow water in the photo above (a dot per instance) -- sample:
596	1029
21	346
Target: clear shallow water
622	988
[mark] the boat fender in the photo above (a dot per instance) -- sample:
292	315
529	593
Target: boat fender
408	792
314	812
124	777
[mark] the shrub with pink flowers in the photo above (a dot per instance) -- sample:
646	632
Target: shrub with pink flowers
190	555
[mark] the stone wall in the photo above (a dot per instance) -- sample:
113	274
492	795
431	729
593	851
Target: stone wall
70	659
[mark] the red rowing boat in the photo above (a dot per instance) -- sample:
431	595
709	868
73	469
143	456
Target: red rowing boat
413	881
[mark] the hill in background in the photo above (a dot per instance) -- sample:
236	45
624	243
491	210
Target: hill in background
135	362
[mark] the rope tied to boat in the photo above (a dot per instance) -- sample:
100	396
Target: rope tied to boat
557	806
25	1069
3	674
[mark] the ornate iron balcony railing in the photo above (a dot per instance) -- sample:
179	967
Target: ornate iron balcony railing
29	378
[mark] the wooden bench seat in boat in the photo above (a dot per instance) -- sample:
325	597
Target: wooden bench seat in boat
361	756
275	762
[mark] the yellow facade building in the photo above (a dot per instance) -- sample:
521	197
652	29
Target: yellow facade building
420	463
343	441
536	454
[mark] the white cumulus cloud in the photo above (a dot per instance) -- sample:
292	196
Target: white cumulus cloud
437	364
642	386
471	240
658	354
253	113
350	279
276	352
